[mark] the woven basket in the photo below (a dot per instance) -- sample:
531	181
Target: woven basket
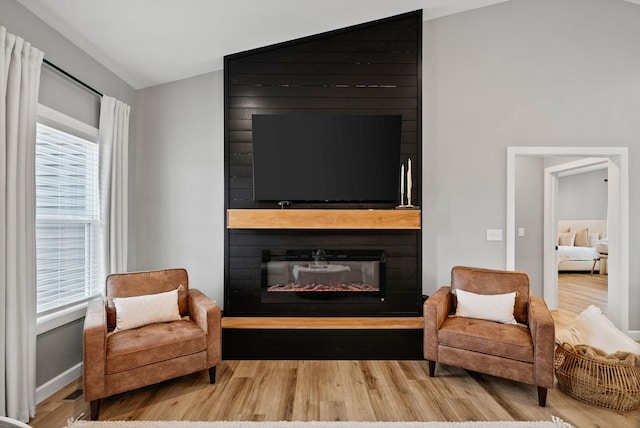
614	386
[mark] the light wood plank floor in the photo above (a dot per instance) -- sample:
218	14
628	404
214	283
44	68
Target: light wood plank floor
576	291
346	390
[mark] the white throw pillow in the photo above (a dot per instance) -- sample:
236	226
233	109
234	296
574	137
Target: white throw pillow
132	312
592	328
491	307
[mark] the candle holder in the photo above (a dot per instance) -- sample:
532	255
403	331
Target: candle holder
402	205
409	205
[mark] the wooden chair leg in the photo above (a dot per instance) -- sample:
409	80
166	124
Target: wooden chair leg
432	368
542	396
212	375
95	409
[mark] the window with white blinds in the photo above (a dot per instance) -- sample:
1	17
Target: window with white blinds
67	219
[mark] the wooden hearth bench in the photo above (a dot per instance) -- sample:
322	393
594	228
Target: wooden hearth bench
322	338
324	323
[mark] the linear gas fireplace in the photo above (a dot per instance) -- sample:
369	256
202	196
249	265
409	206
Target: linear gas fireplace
299	275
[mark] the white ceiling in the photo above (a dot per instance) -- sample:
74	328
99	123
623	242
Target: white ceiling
150	42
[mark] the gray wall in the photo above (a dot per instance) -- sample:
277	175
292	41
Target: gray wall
583	196
529	211
521	73
180	181
61	348
58	350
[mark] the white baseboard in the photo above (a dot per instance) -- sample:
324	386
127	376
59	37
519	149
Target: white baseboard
57	383
634	334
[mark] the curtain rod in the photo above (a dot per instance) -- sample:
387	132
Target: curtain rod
75	79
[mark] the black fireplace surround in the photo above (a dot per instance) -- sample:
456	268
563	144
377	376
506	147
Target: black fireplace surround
368	69
281	273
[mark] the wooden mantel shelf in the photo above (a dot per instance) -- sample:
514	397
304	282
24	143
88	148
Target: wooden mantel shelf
323	323
322	219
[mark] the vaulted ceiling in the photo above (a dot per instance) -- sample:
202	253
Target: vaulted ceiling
150	42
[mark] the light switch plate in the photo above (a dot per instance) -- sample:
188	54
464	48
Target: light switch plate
494	234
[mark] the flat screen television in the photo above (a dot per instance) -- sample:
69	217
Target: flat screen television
326	157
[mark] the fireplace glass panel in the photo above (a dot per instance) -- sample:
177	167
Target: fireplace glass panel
307	272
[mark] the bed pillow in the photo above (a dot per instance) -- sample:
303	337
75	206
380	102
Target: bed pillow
582	238
490	307
133	312
592	328
566	239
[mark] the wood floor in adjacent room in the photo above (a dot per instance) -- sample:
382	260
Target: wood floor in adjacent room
348	390
576	292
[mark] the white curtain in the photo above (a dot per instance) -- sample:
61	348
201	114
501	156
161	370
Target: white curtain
19	84
114	142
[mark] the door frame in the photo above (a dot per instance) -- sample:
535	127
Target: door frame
618	223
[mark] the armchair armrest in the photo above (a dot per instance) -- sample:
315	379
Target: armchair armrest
435	310
542	330
94	350
207	315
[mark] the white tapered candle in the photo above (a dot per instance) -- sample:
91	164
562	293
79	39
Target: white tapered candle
402	180
409	181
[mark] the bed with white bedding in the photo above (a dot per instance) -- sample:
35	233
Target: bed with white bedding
580	242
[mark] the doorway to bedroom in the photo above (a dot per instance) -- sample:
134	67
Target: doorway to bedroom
543	219
581	214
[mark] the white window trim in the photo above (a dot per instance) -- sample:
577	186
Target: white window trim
48	116
58	318
54	118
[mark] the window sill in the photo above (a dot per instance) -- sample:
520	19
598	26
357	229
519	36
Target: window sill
59	318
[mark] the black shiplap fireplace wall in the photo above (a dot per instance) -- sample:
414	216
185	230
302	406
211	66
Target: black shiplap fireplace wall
372	68
243	297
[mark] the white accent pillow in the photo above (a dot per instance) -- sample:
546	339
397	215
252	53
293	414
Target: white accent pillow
491	307
133	312
592	328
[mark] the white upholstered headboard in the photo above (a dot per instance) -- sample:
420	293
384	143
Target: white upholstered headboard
599	226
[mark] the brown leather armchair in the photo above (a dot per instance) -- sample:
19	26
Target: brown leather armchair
129	359
504	350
